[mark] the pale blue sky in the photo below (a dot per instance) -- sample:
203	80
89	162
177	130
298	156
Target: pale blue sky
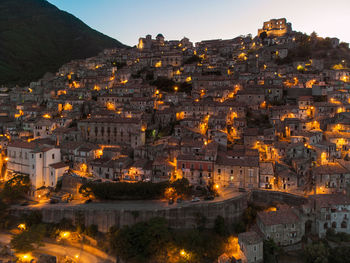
127	20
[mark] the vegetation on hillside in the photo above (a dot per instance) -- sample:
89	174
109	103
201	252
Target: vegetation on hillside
36	37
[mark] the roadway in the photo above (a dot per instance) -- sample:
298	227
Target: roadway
130	204
63	250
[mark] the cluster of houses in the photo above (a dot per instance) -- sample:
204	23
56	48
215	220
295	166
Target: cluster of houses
229	112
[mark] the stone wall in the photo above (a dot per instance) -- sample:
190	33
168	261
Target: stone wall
186	216
270	197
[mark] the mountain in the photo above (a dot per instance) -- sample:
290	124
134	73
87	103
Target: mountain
36	37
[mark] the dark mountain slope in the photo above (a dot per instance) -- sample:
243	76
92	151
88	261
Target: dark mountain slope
36	37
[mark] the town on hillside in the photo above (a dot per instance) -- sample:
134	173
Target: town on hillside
180	125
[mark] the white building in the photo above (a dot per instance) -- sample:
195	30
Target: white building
42	163
330	211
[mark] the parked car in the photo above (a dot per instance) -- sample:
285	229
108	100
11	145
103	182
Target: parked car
209	197
196	199
179	200
241	189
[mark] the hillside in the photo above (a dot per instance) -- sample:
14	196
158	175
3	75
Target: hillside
36	37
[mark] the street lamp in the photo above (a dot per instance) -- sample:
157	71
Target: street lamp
22	226
184	254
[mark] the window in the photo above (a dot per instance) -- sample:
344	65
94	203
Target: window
219	171
53	156
40	155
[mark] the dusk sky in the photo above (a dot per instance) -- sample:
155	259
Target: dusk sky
127	20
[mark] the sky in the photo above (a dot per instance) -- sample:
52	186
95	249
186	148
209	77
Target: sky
127	20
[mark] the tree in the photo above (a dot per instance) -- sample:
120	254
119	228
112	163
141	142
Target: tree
270	251
263	35
33	218
142	241
339	255
3	213
317	253
92	230
16	188
182	187
27	240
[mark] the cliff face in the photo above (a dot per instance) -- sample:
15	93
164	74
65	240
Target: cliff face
36	37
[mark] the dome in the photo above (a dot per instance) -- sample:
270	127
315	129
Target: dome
160	35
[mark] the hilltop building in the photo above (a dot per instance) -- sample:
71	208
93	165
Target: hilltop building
276	28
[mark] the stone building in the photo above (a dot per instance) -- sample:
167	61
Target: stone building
284	226
330	211
251	245
128	131
237	171
276	28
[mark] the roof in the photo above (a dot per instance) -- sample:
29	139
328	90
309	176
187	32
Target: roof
249	238
330	168
22	144
246	161
266	168
278	217
329	200
58	165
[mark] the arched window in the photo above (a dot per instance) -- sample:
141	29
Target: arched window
334	225
325	226
344	224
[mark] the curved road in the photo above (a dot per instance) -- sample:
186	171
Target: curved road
59	250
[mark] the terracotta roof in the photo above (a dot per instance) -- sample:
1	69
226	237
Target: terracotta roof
111	120
21	144
266	168
329	200
278	217
249	238
58	165
330	168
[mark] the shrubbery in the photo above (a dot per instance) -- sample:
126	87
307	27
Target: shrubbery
16	188
153	241
132	191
